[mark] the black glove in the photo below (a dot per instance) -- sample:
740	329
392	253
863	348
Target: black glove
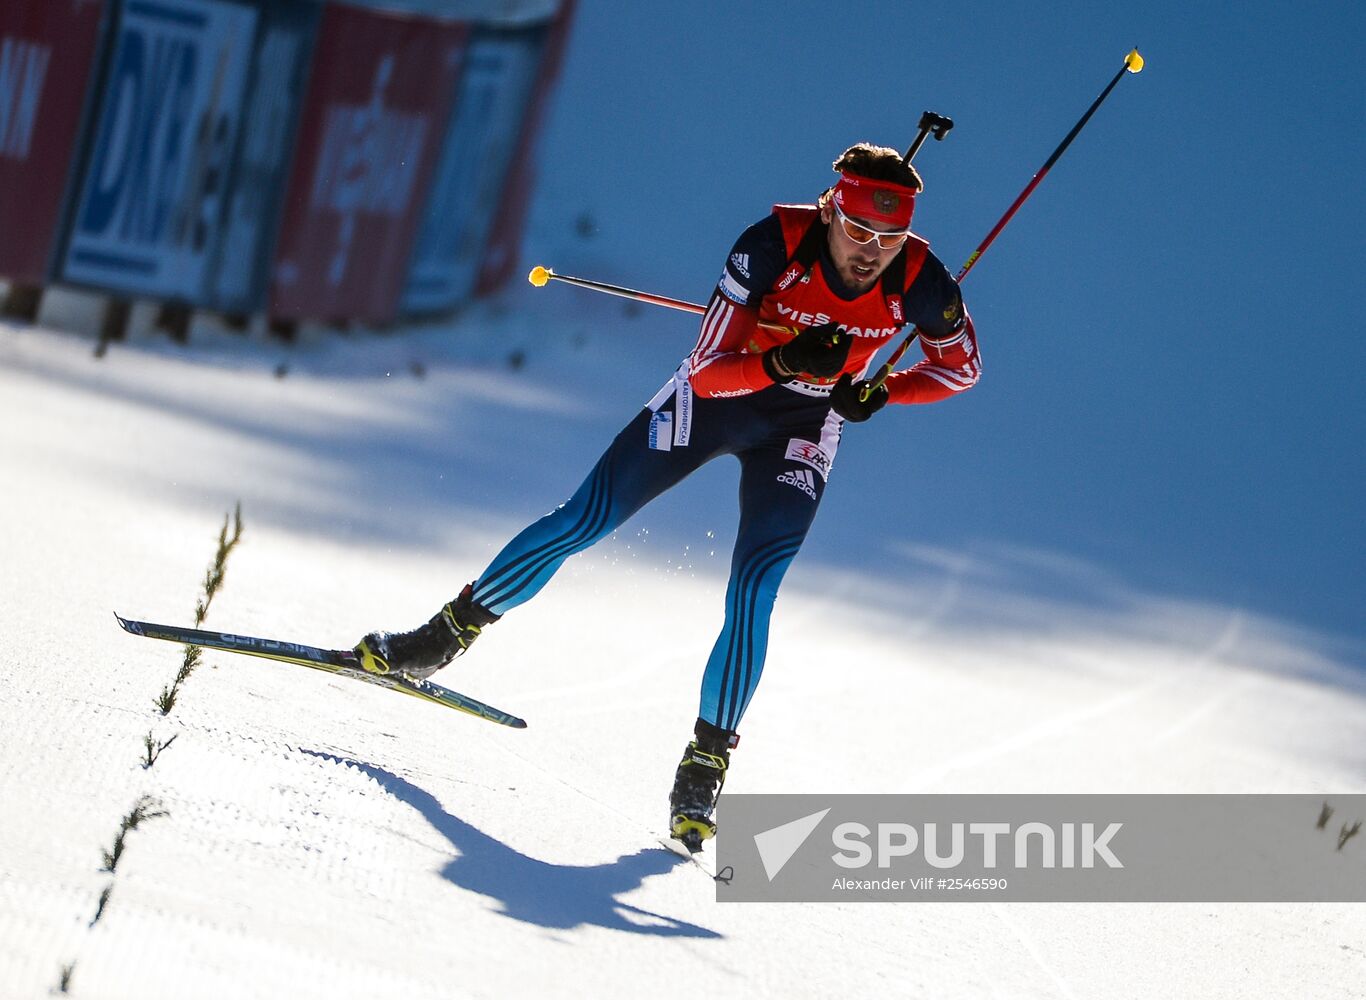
844	399
820	351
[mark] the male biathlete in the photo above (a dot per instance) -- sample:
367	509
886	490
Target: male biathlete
840	278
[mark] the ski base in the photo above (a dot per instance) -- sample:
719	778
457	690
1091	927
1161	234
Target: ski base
342	662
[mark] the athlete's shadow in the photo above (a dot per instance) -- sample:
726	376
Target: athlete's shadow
538	892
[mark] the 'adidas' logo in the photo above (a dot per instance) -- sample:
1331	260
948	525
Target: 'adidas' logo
741	263
802	479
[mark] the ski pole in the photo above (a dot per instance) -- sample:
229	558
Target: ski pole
1133	63
930	123
540	275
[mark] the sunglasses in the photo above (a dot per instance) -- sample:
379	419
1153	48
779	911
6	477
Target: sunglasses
862	235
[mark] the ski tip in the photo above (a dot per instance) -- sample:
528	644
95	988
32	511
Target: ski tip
132	627
517	723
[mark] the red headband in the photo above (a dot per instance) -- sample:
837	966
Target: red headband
875	201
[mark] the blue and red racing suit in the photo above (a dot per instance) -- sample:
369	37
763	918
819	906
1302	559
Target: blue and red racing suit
720	402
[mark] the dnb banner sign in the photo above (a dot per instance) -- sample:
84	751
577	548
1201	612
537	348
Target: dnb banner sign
241	264
495	93
377	106
47	53
148	214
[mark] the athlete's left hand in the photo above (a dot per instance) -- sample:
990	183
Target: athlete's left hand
844	399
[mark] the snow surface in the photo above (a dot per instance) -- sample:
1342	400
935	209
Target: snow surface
326	839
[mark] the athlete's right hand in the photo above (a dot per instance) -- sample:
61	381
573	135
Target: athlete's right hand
820	351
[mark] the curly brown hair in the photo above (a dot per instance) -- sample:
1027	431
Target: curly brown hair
877	163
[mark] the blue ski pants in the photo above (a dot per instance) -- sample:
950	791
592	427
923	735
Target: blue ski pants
785	441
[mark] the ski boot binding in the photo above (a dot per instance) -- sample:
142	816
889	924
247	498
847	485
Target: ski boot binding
697	783
426	649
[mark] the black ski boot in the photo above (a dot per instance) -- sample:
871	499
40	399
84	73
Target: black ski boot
425	650
697	783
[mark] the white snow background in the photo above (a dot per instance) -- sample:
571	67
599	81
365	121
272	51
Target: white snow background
326	839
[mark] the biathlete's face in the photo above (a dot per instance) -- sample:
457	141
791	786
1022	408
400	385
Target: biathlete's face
860	249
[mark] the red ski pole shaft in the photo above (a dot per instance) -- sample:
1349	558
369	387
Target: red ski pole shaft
540	275
1133	63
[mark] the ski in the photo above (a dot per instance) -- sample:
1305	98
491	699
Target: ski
677	847
342	662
